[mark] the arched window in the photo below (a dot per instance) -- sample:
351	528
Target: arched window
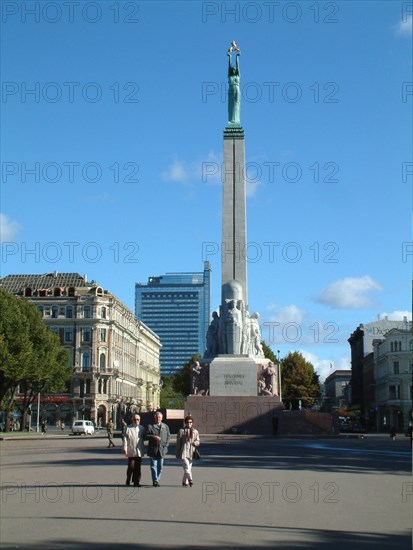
103	312
85	361
102	362
28	292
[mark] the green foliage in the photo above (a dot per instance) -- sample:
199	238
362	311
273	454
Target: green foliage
182	379
178	386
169	399
299	381
268	353
30	353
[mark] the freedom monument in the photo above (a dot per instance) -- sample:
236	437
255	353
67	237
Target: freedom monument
235	389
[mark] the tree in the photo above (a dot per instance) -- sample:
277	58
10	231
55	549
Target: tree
31	357
299	381
268	353
169	398
182	378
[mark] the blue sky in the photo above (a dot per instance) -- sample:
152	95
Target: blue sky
112	122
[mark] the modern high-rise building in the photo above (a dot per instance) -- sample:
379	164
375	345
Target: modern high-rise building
177	307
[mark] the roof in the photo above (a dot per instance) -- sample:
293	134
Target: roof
16	284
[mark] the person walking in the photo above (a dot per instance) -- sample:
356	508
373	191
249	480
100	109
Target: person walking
158	437
134	449
187	440
110	428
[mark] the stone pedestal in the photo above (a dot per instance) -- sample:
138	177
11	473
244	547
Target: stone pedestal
233	375
232	415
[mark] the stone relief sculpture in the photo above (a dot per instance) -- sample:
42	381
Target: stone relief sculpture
235	332
270	375
233	329
200	378
213	336
255	335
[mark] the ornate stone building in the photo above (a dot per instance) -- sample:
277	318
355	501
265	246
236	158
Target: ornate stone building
115	357
393	378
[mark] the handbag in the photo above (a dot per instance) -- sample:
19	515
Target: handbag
196	455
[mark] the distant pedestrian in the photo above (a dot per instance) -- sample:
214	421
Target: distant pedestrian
158	436
124	427
134	449
187	440
110	428
393	432
44	427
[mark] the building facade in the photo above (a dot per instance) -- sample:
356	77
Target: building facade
336	388
114	357
361	343
393	380
381	374
177	307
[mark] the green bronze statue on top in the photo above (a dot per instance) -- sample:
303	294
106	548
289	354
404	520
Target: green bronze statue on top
234	92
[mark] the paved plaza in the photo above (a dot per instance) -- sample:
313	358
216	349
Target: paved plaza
341	493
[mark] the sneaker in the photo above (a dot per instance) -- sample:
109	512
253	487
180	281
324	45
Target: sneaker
156	483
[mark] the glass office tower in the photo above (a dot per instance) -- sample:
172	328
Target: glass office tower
176	306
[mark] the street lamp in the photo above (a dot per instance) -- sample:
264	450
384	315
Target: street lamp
279	375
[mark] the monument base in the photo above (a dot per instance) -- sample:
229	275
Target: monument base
234	415
233	375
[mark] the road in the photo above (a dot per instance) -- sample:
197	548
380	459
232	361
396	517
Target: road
68	492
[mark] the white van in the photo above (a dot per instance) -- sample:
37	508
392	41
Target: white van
83	427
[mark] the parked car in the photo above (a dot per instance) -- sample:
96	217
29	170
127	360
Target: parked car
345	427
358	428
83	427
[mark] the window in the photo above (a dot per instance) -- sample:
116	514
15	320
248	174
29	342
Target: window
394	392
85	361
86	334
55	312
87	314
68	334
103	312
396	367
102	335
102	362
391	346
41	310
69	312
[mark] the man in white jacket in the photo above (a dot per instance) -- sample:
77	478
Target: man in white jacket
134	449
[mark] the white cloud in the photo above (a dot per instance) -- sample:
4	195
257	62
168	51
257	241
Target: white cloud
8	228
286	314
177	171
404	27
325	367
208	170
349	293
205	170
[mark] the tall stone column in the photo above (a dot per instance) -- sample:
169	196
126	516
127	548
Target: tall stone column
234	225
